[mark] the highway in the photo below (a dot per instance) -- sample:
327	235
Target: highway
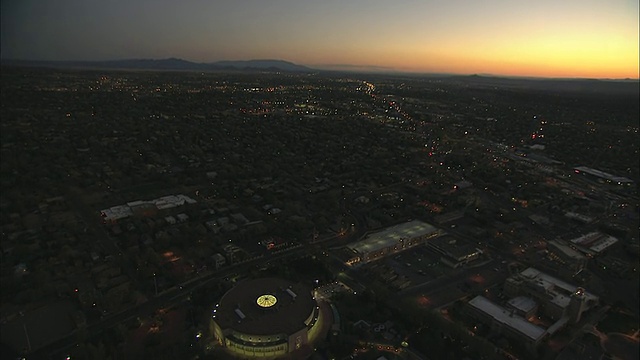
176	295
168	298
179	294
59	349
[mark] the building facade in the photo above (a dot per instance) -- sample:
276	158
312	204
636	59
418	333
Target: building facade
391	240
266	318
505	321
556	298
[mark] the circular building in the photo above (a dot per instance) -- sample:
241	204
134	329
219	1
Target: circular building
266	318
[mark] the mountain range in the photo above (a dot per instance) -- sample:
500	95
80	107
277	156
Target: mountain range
483	80
169	64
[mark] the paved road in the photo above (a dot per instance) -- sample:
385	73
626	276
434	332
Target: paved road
448	280
167	298
179	294
170	297
100	234
176	295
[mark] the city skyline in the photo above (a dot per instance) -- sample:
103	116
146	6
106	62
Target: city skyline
593	39
167	214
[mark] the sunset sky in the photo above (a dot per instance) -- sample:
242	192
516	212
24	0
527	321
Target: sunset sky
549	38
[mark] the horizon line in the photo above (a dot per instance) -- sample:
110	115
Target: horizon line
353	68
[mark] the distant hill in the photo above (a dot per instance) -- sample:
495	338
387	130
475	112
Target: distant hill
167	64
597	86
263	64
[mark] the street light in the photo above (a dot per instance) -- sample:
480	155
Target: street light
155	283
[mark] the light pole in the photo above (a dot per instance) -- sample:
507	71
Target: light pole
155	283
24	326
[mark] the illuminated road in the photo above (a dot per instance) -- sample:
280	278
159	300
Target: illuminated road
173	296
177	295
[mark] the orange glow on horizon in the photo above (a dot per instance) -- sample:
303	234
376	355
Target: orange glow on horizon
571	58
543	38
541	46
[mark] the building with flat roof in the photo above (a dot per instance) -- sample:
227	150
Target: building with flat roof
505	321
619	180
569	259
267	318
557	299
579	217
594	242
144	206
453	252
523	306
532	289
391	240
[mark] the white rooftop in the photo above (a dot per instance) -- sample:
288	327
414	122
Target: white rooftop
568	251
522	303
392	235
506	317
580	217
604	175
595	241
165	202
117	212
551	286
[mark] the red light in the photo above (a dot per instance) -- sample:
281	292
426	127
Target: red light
76	289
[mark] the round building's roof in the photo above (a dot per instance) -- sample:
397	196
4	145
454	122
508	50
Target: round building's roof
267	306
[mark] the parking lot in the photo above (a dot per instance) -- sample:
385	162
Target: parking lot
419	265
